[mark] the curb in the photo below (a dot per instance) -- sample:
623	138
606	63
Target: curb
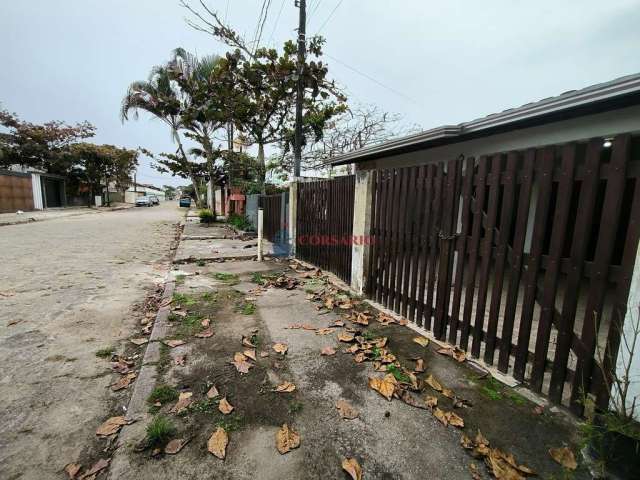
34	220
146	379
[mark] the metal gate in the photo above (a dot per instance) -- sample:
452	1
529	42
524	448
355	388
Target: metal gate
523	259
324	224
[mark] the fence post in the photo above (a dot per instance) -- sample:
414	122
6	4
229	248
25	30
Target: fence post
260	233
293	210
361	249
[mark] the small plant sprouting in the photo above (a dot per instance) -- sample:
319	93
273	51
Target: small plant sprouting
398	374
180	279
248	308
256	277
163	394
105	352
295	407
182	299
159	431
228	278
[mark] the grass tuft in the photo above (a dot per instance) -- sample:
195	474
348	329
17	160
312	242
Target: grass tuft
228	278
163	394
105	352
160	430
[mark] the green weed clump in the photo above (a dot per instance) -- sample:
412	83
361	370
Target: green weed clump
206	216
163	394
105	352
160	430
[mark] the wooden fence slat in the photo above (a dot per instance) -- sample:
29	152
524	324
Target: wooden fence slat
582	229
473	251
424	243
409	239
434	229
487	244
401	215
506	219
445	239
544	179
550	282
419	215
522	217
380	232
461	250
604	249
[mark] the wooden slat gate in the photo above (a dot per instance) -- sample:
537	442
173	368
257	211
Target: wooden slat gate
523	259
272	217
324	224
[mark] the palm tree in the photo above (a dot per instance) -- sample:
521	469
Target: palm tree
160	97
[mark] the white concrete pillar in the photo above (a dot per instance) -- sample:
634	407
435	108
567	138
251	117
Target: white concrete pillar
631	323
361	228
293	210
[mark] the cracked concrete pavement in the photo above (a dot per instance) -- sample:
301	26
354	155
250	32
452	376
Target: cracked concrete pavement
68	288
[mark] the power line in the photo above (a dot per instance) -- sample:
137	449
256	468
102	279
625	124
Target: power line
329	17
353	69
315	9
255	35
277	20
264	20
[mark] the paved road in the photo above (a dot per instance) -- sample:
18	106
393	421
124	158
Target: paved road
67	289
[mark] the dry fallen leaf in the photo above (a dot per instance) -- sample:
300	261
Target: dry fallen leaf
175	445
264	354
173	343
97	467
422	341
184	400
538	410
411	400
287	439
361	318
352	467
454	420
139	341
384	386
111	426
205	333
205	322
325	331
123	382
433	383
72	469
475	474
213	392
247	342
360	357
440	415
347	411
217	444
180	360
225	407
250	354
453	352
328	351
285	387
430	401
339	323
280	348
346	337
564	456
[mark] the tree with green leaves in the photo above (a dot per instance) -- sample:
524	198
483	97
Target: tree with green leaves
39	146
264	85
160	97
99	165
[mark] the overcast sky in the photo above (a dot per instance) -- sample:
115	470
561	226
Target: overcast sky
433	62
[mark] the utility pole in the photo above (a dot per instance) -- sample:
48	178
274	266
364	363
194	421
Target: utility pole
302	27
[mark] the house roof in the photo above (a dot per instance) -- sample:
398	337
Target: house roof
618	93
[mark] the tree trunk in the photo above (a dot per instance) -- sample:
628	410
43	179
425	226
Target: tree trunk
262	169
191	176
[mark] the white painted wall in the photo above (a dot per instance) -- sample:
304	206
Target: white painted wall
37	191
601	124
632	319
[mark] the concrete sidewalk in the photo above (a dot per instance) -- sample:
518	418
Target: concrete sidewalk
389	439
56	213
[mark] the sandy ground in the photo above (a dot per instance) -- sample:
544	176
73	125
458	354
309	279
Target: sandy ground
69	287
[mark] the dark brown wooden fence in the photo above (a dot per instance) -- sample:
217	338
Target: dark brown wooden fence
324	224
523	259
272	217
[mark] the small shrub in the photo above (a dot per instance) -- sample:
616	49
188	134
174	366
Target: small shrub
239	221
248	308
160	430
163	394
105	352
182	299
206	216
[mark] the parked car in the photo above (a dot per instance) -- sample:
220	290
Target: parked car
185	202
143	202
154	200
